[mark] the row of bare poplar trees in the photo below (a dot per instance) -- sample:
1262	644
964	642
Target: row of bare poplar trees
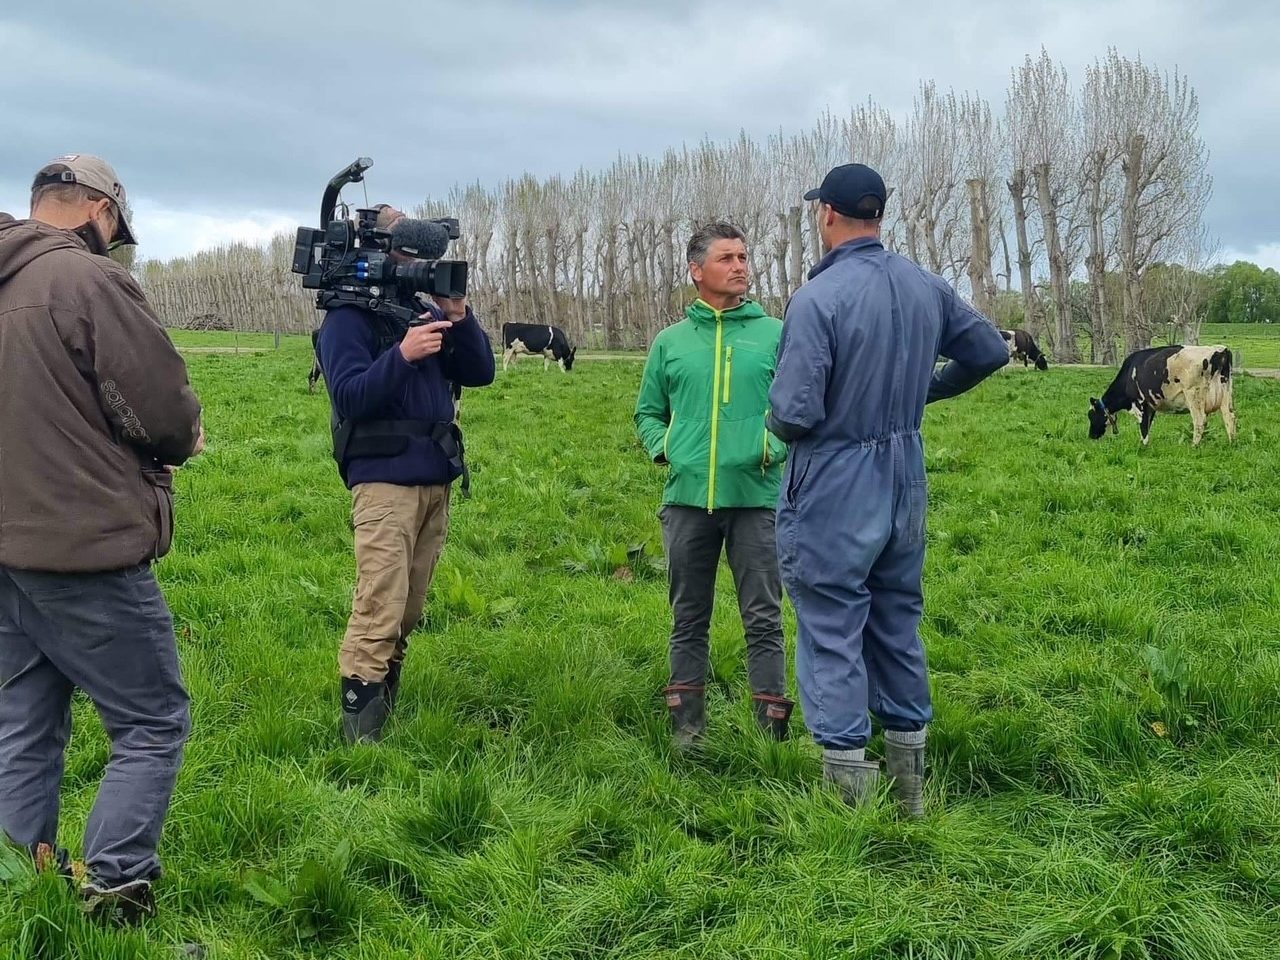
1069	183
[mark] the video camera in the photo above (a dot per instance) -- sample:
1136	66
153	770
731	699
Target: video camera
351	264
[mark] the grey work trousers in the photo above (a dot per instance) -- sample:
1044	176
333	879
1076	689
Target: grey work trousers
694	539
111	635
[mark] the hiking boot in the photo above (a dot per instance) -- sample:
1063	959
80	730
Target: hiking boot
687	705
856	778
392	680
125	905
904	762
364	710
773	714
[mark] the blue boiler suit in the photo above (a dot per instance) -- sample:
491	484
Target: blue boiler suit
855	370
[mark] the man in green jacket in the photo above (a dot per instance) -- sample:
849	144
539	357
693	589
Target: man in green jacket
701	411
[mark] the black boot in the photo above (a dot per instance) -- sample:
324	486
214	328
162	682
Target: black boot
392	681
773	713
125	905
688	707
364	710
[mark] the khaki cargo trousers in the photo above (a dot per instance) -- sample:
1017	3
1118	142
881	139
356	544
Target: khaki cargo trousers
399	536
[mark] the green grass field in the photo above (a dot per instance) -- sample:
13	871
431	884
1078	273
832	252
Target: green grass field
1103	630
1257	344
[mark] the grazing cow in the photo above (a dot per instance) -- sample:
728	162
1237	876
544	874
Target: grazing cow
1174	379
1023	347
531	338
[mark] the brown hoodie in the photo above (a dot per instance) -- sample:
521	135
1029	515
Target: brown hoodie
94	402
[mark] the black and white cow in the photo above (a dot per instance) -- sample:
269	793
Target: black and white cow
1023	347
531	338
1175	379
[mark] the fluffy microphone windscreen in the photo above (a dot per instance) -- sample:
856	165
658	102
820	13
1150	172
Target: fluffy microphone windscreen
420	238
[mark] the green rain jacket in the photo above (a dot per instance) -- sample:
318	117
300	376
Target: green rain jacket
702	407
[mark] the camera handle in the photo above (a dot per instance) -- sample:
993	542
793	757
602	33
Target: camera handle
351	173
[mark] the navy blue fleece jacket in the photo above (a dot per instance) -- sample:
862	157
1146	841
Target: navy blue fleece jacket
363	386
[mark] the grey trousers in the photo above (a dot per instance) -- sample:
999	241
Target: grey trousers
693	539
111	635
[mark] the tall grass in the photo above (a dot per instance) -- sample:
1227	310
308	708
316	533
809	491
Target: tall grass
1101	626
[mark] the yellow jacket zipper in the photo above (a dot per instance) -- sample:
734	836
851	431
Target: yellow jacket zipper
715	414
764	454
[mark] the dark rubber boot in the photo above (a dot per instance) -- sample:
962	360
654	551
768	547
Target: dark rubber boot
126	905
773	714
393	683
364	710
904	761
857	779
688	707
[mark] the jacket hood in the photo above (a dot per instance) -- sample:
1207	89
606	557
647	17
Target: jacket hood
21	241
702	312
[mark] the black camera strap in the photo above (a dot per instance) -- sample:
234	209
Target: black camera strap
390	438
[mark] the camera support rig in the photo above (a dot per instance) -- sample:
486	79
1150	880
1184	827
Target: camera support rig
352	264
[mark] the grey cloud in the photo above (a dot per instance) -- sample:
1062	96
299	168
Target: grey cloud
252	106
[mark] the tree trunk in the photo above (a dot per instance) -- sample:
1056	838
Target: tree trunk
579	280
1068	351
512	299
1131	292
780	252
553	286
930	227
635	288
980	281
913	237
815	237
1103	348
609	285
796	272
666	283
1008	264
757	275
1034	319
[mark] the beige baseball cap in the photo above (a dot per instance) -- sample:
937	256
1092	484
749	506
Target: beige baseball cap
93	172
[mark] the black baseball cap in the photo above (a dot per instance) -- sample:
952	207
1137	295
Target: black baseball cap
854	190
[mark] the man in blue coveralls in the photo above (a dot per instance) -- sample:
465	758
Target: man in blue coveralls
855	370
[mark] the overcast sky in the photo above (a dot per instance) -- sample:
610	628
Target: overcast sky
225	119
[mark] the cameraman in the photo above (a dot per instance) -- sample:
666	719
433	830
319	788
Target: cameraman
395	393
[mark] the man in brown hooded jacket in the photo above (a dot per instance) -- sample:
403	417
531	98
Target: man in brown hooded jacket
95	413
